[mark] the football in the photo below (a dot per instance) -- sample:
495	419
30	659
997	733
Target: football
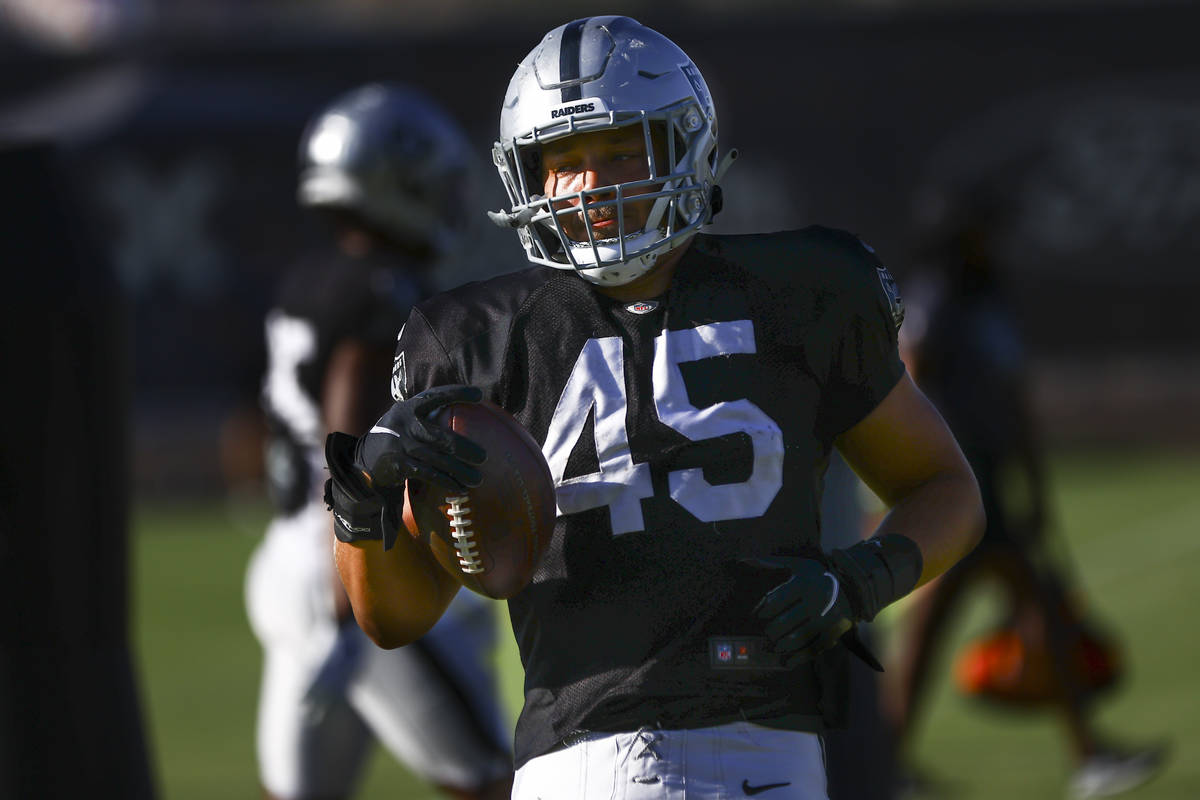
492	538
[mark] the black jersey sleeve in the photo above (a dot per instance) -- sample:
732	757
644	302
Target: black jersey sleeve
421	360
866	361
462	335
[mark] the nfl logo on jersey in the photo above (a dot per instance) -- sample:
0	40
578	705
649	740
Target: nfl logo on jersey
642	307
724	652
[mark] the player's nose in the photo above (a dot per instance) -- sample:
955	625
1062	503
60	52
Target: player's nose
595	181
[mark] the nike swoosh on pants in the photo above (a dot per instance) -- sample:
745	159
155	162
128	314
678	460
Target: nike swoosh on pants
750	791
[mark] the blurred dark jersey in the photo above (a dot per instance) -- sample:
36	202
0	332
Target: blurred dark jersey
972	361
683	432
321	303
972	364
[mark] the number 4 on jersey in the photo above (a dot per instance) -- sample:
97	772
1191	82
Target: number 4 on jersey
597	384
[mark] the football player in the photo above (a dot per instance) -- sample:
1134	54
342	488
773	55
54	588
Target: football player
685	634
391	173
966	351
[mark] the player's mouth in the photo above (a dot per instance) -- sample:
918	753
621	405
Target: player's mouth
604	222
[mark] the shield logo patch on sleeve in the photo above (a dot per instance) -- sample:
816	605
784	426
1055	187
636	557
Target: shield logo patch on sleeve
892	291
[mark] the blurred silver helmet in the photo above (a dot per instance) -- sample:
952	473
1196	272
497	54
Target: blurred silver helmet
389	156
602	73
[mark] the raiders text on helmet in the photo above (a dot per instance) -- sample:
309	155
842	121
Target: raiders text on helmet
392	157
601	73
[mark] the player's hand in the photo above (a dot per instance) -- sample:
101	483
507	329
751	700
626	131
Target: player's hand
406	443
806	614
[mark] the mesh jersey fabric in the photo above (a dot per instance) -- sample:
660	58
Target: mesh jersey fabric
685	433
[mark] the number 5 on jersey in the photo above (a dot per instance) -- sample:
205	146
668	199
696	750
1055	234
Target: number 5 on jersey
597	384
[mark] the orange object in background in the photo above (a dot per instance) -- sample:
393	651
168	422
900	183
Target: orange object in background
1003	668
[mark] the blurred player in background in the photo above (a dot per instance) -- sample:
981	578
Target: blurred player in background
963	346
685	634
392	175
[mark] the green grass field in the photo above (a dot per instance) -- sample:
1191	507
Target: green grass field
1131	520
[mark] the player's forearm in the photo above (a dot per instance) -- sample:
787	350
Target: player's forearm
398	594
905	452
943	515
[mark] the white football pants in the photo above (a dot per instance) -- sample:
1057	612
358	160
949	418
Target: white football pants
727	761
433	704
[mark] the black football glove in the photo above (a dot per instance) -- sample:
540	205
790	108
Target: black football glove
365	490
806	614
820	604
357	508
406	443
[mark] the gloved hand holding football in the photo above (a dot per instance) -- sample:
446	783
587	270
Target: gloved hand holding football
460	475
406	443
367	475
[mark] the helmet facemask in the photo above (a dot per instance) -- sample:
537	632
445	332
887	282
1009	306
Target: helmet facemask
680	152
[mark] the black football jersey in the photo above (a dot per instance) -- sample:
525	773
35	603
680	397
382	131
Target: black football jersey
320	303
683	432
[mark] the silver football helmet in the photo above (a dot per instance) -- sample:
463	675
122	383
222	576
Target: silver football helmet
595	74
391	157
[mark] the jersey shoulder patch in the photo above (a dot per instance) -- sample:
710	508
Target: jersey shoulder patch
854	265
399	374
462	334
891	291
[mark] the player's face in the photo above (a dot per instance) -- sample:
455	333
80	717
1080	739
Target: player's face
588	161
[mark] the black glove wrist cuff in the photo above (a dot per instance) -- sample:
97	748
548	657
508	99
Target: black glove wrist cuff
877	572
354	520
356	507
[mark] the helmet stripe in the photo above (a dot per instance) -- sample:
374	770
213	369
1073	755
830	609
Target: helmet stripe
569	60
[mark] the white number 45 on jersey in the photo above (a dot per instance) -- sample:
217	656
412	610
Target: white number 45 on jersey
597	382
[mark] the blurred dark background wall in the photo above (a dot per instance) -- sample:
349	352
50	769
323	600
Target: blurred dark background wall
179	122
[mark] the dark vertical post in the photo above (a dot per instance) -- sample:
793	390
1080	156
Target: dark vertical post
70	719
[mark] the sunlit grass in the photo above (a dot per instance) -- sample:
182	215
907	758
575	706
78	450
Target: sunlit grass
1130	520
